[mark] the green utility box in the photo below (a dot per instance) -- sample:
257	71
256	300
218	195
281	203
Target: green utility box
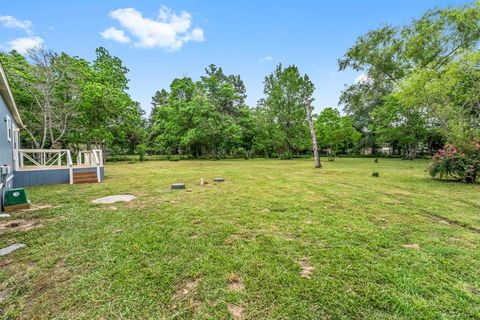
15	197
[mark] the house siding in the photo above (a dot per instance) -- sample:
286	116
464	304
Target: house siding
6	146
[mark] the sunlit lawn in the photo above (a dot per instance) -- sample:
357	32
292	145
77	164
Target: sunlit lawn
277	240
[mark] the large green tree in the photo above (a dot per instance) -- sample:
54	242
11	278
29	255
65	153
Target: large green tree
67	101
335	131
415	71
286	92
207	117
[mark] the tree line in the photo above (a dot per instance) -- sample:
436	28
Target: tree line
419	90
68	102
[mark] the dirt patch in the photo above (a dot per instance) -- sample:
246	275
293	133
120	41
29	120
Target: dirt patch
39	207
307	222
193	235
290	237
186	288
235	283
18	225
234	238
184	295
4	294
5	262
266	210
196	221
235	310
306	268
411	246
350	290
474	290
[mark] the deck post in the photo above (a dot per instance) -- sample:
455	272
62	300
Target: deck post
70	165
98	163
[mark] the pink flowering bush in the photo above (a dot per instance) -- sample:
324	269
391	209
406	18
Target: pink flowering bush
451	163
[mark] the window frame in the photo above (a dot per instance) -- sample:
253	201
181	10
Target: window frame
9	128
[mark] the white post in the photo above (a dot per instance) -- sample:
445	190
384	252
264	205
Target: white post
59	158
70	165
97	163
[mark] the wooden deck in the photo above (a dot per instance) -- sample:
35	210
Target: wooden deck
35	176
55	166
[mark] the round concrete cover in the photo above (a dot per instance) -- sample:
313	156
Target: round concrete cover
177	186
115	198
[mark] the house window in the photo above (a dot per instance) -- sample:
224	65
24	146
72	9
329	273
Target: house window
9	128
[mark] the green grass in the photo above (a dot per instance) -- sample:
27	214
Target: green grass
174	254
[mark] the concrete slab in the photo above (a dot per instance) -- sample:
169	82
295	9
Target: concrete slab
115	198
10	249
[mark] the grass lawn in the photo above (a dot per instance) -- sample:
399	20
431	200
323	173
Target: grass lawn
277	240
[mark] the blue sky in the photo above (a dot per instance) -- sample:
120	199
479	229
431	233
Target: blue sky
161	40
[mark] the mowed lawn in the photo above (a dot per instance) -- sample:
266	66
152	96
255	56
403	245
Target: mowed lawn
277	240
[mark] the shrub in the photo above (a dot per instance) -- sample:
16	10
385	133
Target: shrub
117	158
461	165
376	160
285	156
174	158
375	174
141	150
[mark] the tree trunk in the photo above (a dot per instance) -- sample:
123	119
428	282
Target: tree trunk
316	156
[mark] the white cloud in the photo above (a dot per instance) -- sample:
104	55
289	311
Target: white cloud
266	59
23	44
12	22
115	34
168	30
363	78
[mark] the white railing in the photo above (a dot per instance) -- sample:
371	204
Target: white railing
50	158
45	158
91	158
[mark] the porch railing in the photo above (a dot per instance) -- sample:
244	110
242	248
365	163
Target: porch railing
45	158
91	158
48	158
